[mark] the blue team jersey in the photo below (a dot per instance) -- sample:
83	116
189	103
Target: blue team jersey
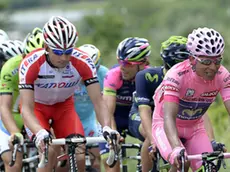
147	82
83	105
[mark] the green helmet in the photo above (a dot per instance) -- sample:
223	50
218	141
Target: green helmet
174	50
33	40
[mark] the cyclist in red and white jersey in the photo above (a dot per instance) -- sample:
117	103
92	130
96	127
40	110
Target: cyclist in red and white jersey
187	91
47	80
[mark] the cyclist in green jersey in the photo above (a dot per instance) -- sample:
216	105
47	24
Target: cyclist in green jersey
11	122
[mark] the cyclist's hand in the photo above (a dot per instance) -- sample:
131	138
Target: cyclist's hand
217	146
39	139
152	151
175	157
110	134
14	136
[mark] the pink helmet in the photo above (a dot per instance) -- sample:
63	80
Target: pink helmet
205	42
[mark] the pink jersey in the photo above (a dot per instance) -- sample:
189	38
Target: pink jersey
52	85
194	96
194	93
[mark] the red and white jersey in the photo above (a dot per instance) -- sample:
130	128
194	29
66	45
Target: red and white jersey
52	85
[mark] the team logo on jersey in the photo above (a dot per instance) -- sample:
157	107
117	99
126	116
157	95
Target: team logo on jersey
57	85
210	94
151	78
227	79
192	112
190	92
183	72
171	88
172	80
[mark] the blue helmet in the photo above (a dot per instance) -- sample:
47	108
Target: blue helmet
133	49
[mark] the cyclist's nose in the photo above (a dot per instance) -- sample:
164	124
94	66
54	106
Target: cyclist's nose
213	66
65	57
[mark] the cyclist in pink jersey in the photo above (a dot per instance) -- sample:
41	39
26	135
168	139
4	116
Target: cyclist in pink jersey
119	84
47	80
187	91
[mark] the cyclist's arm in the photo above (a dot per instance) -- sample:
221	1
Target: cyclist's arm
27	110
102	113
6	113
208	127
170	114
110	101
146	120
7	92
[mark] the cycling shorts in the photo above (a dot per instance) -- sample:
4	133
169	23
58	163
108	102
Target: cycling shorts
134	125
195	138
65	121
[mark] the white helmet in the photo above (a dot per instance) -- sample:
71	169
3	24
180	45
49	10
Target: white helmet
3	36
93	52
205	42
11	48
58	32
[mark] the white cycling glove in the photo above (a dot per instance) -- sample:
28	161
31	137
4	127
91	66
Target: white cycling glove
108	132
40	136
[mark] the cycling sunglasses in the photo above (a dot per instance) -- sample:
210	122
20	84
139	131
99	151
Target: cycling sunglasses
60	52
126	63
209	61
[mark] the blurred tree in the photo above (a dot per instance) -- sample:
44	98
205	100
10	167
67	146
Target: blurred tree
4	15
105	31
157	20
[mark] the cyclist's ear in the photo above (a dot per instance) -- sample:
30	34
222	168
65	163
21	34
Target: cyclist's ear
192	60
46	48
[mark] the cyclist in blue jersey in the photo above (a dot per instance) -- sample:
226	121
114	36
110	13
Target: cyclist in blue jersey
83	105
119	85
173	51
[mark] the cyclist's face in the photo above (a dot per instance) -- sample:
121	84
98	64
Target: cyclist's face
60	61
207	67
129	71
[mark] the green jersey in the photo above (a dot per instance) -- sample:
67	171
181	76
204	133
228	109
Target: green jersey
9	85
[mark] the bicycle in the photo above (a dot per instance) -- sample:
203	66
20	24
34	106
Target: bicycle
72	144
211	161
124	157
27	161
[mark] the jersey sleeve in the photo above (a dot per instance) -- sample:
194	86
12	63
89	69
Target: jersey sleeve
85	67
225	86
101	75
112	82
142	95
7	80
28	73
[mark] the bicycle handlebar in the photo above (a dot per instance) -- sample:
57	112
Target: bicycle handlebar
16	145
66	141
204	155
